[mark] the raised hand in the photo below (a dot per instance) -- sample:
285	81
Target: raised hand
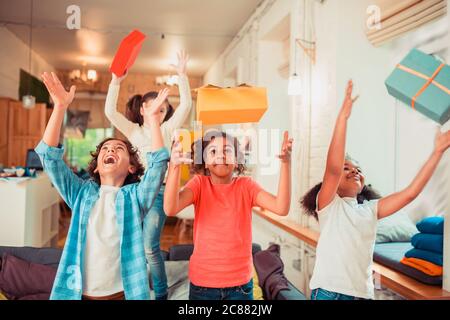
346	109
152	110
286	148
177	156
118	80
442	141
183	59
60	96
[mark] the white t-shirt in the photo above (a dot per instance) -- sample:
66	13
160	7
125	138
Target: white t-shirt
102	272
344	252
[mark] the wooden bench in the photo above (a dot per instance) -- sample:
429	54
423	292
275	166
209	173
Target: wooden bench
394	280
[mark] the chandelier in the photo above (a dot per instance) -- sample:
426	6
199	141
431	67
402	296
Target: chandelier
83	76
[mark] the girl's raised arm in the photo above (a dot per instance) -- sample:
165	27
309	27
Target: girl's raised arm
280	204
174	199
181	113
336	152
117	119
394	202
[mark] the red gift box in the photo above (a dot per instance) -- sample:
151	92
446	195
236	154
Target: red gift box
126	54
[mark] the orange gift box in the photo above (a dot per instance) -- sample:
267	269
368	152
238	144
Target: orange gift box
126	54
240	104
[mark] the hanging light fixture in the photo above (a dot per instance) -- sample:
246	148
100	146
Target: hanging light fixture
29	101
83	76
295	82
309	49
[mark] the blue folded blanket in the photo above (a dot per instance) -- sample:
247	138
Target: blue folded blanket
429	256
434	225
427	241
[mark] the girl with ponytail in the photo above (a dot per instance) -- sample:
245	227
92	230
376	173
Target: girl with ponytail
137	129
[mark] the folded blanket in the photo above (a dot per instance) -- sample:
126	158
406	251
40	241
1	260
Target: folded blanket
429	256
424	266
429	242
434	225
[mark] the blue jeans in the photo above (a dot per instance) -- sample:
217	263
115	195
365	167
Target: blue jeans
243	292
153	225
322	294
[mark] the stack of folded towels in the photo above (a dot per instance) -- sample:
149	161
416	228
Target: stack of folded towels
427	254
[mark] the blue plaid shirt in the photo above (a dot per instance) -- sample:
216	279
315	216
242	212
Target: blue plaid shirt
133	201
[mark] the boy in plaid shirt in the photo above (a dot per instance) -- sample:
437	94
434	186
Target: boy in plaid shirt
103	257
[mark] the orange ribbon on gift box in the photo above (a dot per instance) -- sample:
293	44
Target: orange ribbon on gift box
430	80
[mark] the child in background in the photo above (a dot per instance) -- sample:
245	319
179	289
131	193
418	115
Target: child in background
103	257
220	267
136	127
348	210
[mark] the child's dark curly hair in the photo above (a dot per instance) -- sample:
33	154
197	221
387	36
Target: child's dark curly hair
199	146
134	161
308	202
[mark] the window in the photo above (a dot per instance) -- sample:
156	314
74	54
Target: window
78	150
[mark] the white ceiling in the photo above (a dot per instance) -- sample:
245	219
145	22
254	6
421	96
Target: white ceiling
203	27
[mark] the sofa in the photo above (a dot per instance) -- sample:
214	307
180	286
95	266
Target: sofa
36	283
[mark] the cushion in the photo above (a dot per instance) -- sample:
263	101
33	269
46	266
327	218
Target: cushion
20	278
428	241
395	228
37	296
390	255
434	225
46	256
429	256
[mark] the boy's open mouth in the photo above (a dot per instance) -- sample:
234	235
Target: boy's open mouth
110	159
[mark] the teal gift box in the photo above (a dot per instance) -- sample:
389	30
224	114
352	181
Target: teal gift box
422	82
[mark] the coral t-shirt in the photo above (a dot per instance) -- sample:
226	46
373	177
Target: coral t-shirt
222	254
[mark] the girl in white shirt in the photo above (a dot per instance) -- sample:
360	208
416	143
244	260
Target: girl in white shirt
134	126
348	210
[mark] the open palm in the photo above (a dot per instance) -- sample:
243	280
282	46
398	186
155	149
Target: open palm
286	148
60	96
155	106
183	59
442	141
348	101
177	156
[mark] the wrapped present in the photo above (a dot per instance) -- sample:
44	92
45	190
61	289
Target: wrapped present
187	138
240	104
126	54
422	82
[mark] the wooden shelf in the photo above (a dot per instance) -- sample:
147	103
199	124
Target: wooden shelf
394	280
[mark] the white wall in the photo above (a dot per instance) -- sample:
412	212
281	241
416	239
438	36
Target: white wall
13	57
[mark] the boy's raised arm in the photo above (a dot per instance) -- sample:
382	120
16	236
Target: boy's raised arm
62	99
49	151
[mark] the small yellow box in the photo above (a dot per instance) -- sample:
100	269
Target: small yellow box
186	139
242	104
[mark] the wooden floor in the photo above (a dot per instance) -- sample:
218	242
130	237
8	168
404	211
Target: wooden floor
176	231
